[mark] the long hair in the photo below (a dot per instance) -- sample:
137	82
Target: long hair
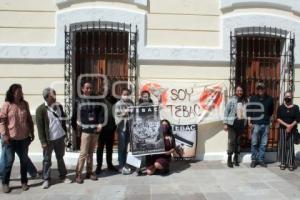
141	100
170	131
243	98
11	91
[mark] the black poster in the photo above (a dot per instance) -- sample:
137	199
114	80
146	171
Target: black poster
145	137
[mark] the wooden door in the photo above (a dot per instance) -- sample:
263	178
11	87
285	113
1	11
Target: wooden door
103	52
265	70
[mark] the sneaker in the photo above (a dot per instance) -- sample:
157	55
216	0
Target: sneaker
46	184
262	164
282	167
126	171
67	180
253	164
6	188
292	168
25	187
91	177
79	179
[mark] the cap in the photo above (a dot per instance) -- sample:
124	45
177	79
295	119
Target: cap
260	85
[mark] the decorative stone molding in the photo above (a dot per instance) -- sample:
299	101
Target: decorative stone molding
69	2
288	5
147	53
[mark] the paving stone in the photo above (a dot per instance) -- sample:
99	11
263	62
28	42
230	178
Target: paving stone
195	196
167	196
198	180
217	196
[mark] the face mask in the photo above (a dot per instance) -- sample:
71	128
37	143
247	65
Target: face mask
165	128
288	100
145	99
125	97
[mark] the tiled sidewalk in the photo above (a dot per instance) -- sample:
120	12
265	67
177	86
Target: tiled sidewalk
188	181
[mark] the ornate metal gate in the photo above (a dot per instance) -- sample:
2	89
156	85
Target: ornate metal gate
97	47
262	54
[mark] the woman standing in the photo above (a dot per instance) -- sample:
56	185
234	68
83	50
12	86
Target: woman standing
287	116
234	123
16	130
162	161
122	116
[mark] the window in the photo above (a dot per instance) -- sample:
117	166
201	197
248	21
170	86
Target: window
262	54
98	48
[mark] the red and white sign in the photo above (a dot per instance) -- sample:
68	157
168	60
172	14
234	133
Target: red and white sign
184	102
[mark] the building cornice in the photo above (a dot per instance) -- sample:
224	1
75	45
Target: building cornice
149	53
70	2
287	5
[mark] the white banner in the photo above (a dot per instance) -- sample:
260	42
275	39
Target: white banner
185	102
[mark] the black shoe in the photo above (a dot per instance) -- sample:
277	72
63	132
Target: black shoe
292	168
112	168
98	170
236	160
229	161
262	164
138	172
253	164
165	172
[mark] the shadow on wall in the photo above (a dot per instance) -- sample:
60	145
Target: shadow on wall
205	132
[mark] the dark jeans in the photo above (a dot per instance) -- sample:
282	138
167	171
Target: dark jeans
122	147
31	169
234	136
21	148
59	148
105	139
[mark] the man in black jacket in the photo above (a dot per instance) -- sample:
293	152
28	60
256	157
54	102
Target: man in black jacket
106	137
260	111
88	116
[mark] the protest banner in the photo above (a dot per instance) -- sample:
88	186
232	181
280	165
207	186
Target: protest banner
187	104
145	137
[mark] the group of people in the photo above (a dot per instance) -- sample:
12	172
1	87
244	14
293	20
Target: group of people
257	113
94	119
97	120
